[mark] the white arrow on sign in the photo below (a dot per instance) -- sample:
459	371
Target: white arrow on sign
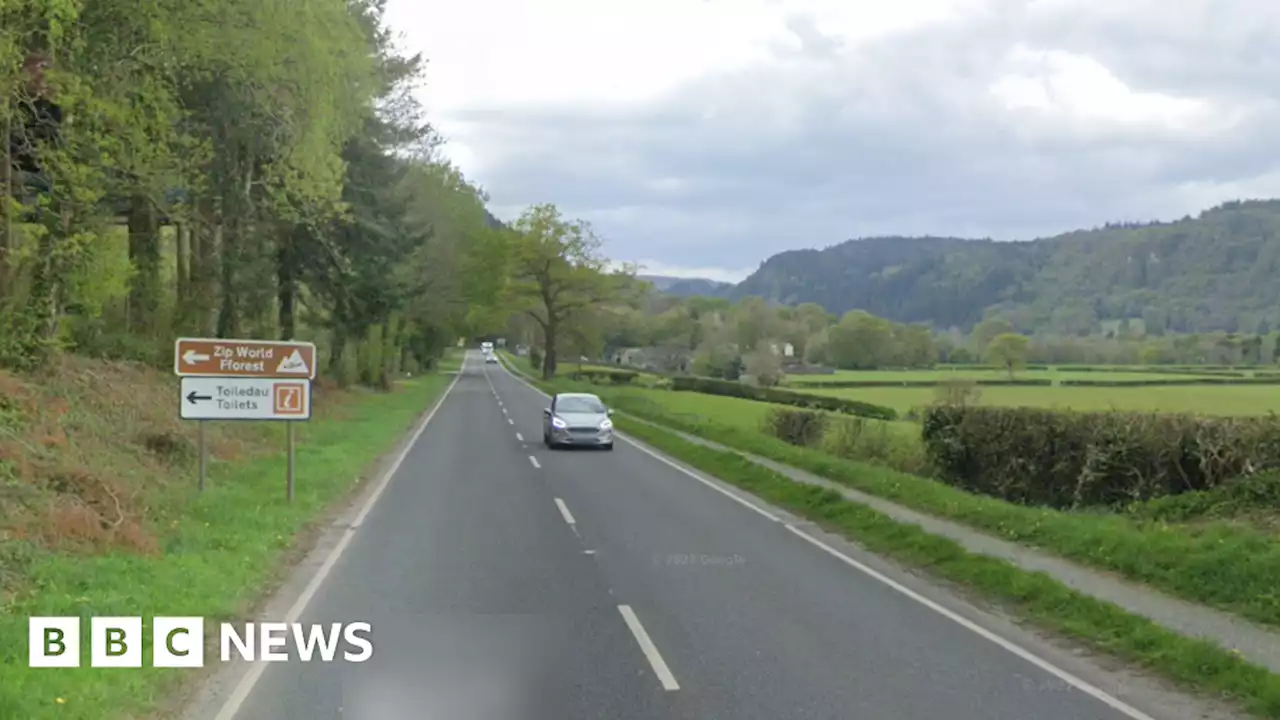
191	357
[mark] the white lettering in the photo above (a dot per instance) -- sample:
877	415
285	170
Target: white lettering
244	645
352	638
270	643
328	642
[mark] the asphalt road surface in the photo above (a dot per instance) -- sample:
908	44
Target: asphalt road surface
507	581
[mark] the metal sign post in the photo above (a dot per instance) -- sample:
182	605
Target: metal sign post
234	379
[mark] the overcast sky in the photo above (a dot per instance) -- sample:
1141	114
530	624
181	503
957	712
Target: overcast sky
702	136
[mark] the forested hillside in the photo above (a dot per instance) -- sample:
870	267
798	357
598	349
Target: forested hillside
1215	272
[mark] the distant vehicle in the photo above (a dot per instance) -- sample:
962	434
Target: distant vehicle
486	347
577	419
490	359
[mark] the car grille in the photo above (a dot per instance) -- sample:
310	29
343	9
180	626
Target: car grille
583	430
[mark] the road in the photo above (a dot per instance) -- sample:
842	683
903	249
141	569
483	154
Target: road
504	580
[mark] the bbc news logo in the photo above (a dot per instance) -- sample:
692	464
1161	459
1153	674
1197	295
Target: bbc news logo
179	642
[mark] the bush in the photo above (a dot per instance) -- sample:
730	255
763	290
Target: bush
957	392
798	427
710	386
598	376
877	442
1072	460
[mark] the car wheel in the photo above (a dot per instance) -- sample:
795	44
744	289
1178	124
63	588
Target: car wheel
609	446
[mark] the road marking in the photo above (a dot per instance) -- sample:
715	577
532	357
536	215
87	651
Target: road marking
1009	646
1076	682
519	437
741	501
564	511
588	552
510	421
245	686
534	460
650	650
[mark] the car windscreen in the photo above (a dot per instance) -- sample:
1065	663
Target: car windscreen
579	405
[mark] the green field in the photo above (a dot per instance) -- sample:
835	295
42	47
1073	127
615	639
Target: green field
1131	374
1203	399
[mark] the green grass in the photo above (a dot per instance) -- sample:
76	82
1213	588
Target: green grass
944	373
218	551
1193	664
1204	399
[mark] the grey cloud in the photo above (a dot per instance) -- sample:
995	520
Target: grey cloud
901	136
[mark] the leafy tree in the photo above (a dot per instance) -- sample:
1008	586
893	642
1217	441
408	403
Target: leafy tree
1009	351
556	271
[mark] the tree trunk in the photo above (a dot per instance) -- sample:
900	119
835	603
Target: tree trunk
286	283
144	255
182	266
6	193
549	349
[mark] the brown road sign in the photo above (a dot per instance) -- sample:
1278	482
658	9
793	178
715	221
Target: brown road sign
290	398
213	357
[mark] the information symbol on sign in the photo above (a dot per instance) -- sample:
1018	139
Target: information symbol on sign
290	399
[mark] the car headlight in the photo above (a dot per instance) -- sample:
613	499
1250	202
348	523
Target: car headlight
606	424
557	422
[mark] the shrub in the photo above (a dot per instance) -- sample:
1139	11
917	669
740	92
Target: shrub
798	427
1071	460
957	392
599	376
728	388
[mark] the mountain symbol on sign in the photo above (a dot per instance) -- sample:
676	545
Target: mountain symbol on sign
293	364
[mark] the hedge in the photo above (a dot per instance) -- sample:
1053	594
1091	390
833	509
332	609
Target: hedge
1153	370
1261	380
730	388
1070	460
598	375
915	383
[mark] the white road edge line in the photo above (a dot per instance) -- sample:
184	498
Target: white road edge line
649	649
1078	683
564	512
1070	679
519	437
534	460
246	684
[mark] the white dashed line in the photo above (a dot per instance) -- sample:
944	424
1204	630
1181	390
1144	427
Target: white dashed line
519	437
650	650
564	511
534	460
510	421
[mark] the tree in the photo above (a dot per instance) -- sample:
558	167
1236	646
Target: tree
985	331
1009	351
764	365
556	271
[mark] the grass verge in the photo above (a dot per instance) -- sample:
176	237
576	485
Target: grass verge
215	553
1194	664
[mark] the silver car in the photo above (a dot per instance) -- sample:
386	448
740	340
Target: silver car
577	419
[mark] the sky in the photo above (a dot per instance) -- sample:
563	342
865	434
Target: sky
700	137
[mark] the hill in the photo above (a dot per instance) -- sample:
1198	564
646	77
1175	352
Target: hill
687	287
1213	272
